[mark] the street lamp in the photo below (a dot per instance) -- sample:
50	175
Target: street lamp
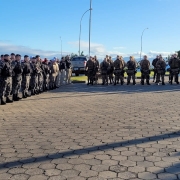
80	31
141	42
90	28
61	46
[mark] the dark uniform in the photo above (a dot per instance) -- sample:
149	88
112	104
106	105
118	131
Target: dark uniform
161	69
110	70
26	77
104	66
17	77
97	66
118	68
174	64
46	75
5	80
90	67
34	78
131	71
145	71
155	68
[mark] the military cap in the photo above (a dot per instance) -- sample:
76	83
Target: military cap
12	54
26	56
18	55
6	55
37	56
2	55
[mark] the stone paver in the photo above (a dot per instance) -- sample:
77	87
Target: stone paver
81	132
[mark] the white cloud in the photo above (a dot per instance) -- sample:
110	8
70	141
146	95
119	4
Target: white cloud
7	48
120	47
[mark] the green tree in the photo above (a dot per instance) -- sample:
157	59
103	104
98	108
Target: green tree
178	53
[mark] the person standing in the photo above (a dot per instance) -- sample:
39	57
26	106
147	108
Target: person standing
118	68
17	77
96	69
26	76
68	70
90	66
34	77
161	69
46	75
131	70
154	62
111	69
54	72
62	67
174	64
104	71
145	70
6	70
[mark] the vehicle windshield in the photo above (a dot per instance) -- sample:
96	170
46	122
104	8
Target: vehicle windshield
79	59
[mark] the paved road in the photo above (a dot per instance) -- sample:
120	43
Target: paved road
80	132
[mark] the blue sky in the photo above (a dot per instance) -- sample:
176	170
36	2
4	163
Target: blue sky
35	26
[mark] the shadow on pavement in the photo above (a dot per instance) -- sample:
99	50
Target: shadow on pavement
89	150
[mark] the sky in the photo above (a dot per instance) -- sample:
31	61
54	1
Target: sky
35	27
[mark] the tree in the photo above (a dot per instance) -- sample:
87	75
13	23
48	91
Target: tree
178	53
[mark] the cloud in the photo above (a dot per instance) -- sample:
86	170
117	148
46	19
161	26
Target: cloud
120	47
7	48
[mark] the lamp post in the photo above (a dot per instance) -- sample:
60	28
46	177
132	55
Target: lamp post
80	31
90	28
61	46
141	42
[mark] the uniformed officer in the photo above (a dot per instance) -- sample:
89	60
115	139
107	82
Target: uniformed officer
118	68
68	70
5	80
90	68
26	76
104	66
131	70
145	70
174	64
34	77
161	69
111	69
46	75
154	62
97	66
17	77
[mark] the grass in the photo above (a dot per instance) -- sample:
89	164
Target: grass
84	78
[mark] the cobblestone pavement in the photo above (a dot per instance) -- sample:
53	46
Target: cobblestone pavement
80	132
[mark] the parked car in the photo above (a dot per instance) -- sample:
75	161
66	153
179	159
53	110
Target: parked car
78	64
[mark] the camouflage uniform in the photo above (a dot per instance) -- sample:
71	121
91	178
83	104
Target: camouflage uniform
131	71
90	66
40	76
145	71
161	69
174	64
16	79
118	68
34	78
46	77
26	77
5	81
104	66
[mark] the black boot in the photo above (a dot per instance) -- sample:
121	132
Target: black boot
115	83
148	82
23	95
32	93
3	102
122	82
134	82
163	83
15	97
8	100
128	82
142	82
